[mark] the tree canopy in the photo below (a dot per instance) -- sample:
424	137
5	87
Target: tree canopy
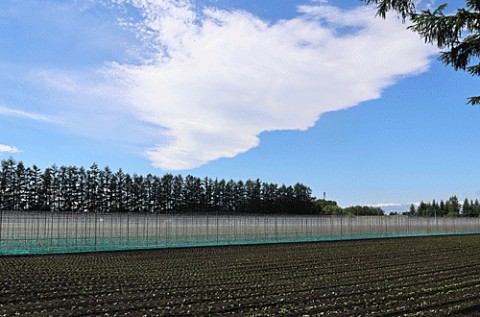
450	208
456	34
79	189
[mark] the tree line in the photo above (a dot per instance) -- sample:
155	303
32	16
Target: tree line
330	207
71	188
450	208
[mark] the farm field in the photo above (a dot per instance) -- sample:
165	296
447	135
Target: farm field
415	276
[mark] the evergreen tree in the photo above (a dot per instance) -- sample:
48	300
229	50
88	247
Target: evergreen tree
156	202
8	184
106	192
119	191
92	187
434	209
422	209
412	211
466	210
21	188
167	193
35	184
128	204
178	198
193	192
475	208
442	209
302	199
458	34
53	188
453	207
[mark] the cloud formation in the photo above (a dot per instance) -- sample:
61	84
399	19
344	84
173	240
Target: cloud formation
219	78
11	112
382	205
8	149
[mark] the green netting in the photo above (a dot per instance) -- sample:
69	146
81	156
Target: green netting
51	233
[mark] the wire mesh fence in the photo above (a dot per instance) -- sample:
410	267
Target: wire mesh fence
49	232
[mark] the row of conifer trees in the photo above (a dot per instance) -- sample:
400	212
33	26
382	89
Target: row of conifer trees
450	208
71	188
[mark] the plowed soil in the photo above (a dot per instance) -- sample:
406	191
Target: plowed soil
424	276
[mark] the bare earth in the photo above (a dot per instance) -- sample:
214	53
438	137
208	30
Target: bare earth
424	276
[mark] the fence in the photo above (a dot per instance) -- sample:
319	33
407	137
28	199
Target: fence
49	232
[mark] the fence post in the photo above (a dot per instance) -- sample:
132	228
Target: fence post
1	225
128	228
51	231
145	229
341	227
408	225
216	226
95	233
331	226
265	228
156	228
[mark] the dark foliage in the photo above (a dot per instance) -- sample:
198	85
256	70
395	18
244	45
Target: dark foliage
450	208
78	189
457	34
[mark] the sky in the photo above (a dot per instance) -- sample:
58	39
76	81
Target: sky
316	92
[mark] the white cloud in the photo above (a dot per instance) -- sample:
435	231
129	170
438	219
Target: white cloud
57	80
7	111
8	149
382	205
427	4
220	78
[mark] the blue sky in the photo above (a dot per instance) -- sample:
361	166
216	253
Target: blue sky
287	91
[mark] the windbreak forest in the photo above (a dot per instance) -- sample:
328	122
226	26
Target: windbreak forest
450	208
71	188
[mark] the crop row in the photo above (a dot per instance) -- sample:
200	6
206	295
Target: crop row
428	276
